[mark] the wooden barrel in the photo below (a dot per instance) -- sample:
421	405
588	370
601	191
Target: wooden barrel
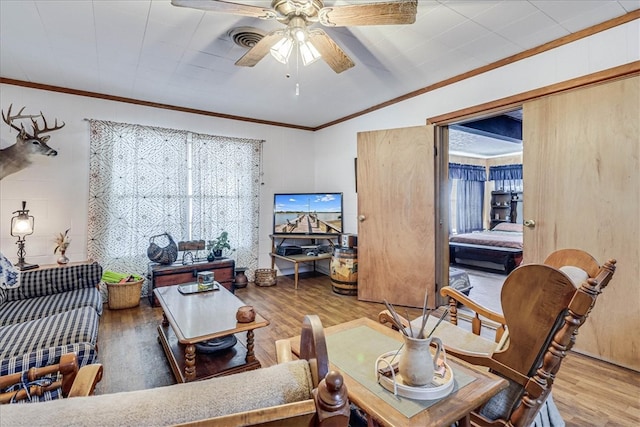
344	271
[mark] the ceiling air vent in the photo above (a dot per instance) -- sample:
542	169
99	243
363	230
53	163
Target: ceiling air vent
246	37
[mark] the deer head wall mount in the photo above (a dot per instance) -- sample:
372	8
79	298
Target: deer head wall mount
18	156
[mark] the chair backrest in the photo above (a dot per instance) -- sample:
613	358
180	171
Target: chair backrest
543	310
533	298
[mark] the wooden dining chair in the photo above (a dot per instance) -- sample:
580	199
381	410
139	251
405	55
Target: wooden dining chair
543	307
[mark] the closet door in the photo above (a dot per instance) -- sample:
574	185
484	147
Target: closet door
582	189
396	246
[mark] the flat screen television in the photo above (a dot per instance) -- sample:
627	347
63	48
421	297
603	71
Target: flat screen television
307	213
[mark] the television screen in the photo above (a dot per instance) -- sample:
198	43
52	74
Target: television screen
307	213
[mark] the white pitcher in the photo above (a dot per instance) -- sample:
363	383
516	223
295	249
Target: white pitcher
417	365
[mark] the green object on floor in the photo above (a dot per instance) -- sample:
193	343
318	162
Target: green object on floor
113	277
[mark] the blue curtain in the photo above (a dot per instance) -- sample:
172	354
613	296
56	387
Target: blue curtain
467	172
506	177
469	195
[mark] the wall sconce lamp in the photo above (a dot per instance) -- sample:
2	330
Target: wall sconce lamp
21	226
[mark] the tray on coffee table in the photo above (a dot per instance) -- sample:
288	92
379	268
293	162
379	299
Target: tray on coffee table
192	288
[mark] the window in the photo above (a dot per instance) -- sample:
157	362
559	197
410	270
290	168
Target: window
145	181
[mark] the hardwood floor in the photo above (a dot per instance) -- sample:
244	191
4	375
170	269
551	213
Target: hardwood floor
486	288
587	391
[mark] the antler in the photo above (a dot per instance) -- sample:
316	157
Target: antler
37	131
9	118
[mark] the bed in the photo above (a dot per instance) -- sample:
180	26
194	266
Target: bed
498	249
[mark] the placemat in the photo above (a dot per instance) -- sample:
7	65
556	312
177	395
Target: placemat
355	351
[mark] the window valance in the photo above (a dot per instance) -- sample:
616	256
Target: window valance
467	172
505	172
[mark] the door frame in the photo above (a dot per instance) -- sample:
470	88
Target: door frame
441	141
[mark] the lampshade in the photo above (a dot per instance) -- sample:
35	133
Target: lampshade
281	50
309	53
22	224
296	35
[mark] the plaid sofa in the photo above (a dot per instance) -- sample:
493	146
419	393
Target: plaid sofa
48	291
52	312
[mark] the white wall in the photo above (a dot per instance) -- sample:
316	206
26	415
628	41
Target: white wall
56	188
336	147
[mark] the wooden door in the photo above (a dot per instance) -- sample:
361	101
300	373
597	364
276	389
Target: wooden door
396	216
582	188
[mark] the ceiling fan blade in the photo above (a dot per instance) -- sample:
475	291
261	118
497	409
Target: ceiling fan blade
387	13
330	51
260	50
227	7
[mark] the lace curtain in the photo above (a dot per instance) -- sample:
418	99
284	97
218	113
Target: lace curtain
144	181
226	194
469	201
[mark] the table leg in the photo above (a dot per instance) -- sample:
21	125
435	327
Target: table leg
251	357
295	275
190	362
165	322
465	421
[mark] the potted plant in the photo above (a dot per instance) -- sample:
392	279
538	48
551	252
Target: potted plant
217	245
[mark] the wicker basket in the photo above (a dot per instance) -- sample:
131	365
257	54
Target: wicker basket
265	277
124	295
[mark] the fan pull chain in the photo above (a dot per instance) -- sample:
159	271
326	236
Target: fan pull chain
297	70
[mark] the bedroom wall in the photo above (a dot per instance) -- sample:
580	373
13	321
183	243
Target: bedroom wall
56	188
602	51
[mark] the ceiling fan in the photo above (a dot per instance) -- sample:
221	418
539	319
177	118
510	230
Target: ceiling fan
298	16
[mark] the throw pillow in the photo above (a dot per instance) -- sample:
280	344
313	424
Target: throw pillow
9	275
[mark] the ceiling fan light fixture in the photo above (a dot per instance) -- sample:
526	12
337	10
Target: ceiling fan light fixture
300	35
309	53
282	49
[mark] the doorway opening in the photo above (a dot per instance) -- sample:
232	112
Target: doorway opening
485	215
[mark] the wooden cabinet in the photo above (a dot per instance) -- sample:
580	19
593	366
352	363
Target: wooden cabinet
166	275
504	207
500	208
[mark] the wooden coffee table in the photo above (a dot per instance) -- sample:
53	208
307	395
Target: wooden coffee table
195	318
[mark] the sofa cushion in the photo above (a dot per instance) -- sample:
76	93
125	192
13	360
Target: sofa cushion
35	308
74	326
49	281
276	385
85	353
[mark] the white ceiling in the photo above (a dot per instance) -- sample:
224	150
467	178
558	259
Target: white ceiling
153	51
472	145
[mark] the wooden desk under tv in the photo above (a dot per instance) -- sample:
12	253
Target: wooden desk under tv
300	258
